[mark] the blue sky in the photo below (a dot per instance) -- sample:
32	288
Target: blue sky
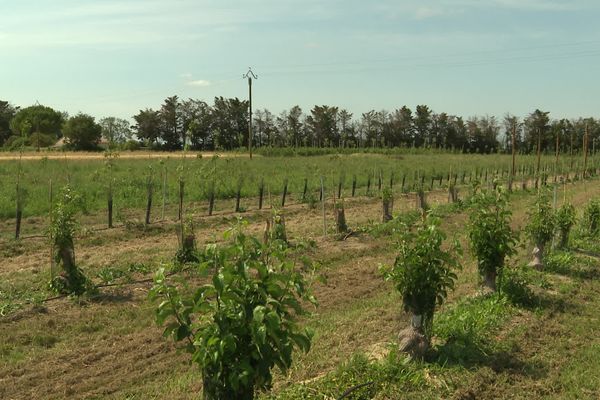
466	57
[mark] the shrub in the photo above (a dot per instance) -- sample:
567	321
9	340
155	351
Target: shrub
491	237
15	143
423	273
186	253
387	200
241	324
565	219
591	217
540	226
71	279
130	145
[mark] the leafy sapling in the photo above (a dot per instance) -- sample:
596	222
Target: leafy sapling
591	217
387	201
71	279
241	324
490	235
186	237
423	273
540	227
565	219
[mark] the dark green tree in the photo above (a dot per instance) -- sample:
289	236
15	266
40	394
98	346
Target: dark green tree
295	128
172	134
196	122
40	120
323	124
115	130
7	112
148	123
538	123
82	132
230	123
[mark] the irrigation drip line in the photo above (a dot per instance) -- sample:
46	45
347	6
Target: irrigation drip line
351	390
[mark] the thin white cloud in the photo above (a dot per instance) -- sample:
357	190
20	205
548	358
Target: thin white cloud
199	83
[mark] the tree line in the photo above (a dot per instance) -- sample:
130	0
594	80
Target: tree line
195	124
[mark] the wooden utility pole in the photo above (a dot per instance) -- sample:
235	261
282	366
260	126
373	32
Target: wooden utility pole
250	75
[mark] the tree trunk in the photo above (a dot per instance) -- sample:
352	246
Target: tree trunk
387	210
564	239
217	391
420	200
340	220
412	339
489	280
538	252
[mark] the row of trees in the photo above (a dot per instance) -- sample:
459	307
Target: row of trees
223	125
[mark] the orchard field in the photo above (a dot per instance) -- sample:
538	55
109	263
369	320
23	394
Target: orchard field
537	337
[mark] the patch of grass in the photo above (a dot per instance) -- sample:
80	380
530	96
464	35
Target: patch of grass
359	378
466	328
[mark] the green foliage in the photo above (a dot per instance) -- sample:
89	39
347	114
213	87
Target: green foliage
591	217
64	222
82	132
311	200
38	118
387	195
423	272
466	328
277	233
207	176
491	237
360	378
130	145
243	322
541	222
187	253
565	219
71	279
109	275
16	143
515	286
38	139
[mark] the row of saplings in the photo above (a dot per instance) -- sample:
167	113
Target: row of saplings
242	322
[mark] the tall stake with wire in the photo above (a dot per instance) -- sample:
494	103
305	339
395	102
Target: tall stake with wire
250	75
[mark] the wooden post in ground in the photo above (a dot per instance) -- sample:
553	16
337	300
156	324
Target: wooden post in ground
261	192
110	204
180	211
323	207
164	193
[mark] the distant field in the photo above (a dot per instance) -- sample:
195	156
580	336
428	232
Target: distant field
225	173
78	155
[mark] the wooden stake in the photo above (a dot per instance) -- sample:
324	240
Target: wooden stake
323	207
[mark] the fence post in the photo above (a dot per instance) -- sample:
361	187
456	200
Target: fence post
110	204
261	191
181	187
149	201
323	206
285	189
